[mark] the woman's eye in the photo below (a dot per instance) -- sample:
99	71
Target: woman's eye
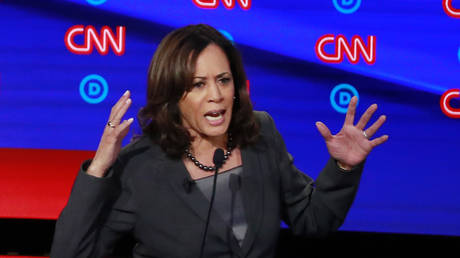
225	80
198	84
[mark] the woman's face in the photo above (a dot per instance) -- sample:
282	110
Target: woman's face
207	108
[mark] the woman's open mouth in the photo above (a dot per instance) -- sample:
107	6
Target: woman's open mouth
215	117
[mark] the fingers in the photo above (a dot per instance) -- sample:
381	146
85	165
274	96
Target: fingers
323	130
120	132
116	118
123	128
350	117
120	104
375	126
114	133
108	148
377	141
115	127
113	136
366	116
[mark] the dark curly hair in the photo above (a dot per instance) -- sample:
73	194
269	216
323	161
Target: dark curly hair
170	75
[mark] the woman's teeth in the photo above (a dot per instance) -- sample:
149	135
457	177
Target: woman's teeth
214	118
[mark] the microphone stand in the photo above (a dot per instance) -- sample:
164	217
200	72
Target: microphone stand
218	160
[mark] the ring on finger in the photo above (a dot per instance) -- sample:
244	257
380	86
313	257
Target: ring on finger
365	135
110	124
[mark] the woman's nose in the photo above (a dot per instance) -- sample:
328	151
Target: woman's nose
215	93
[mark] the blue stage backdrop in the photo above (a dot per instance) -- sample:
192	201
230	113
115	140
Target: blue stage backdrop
63	64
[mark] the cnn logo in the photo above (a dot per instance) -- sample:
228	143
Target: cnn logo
446	108
450	10
342	47
92	39
229	4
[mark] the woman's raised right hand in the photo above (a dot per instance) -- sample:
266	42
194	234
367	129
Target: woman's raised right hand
111	140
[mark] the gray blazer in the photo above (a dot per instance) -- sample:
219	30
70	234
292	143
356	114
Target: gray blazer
153	198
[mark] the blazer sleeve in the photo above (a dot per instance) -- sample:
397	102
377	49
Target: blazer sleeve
313	208
99	211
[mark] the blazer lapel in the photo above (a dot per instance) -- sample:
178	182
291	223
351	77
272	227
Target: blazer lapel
193	198
252	194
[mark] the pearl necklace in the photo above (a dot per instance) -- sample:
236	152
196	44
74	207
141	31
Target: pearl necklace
210	168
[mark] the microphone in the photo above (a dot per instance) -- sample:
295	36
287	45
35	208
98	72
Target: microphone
218	160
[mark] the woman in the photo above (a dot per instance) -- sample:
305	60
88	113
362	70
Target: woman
158	187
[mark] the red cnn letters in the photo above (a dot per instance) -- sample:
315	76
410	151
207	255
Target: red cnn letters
446	108
450	10
92	39
350	50
229	4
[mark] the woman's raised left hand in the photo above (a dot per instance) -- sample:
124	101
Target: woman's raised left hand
352	144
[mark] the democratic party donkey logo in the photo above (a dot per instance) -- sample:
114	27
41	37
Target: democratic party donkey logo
341	95
229	4
342	47
458	54
347	6
450	10
96	2
94	89
92	39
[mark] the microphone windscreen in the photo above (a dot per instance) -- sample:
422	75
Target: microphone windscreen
218	158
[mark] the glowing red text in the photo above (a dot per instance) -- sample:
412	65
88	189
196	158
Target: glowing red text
343	48
446	108
229	4
449	9
93	40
